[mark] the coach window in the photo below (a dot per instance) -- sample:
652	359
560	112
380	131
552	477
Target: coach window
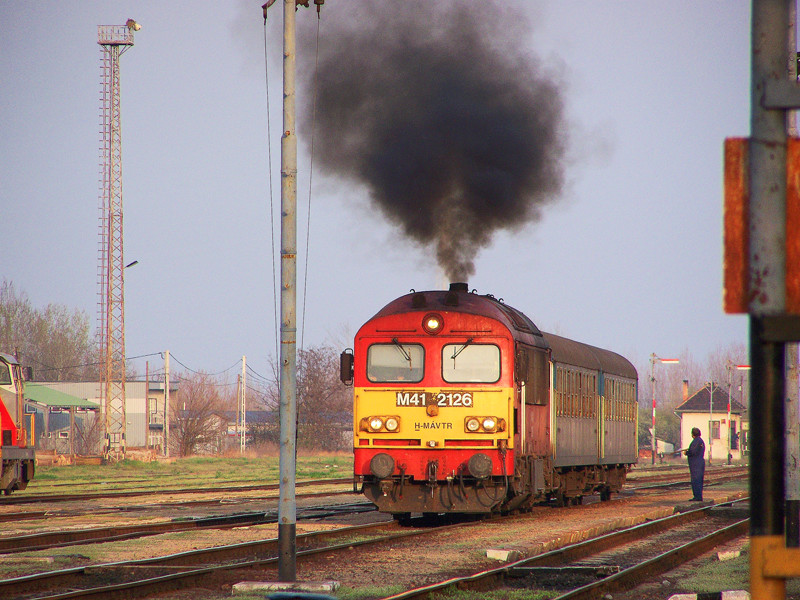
470	363
395	363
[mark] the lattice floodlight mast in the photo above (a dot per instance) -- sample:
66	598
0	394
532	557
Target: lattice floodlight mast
113	41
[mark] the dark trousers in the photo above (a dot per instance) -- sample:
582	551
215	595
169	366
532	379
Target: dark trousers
697	483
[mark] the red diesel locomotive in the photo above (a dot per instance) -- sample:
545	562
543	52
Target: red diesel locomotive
461	405
17	458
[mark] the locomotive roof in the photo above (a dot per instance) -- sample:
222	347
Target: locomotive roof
471	303
562	349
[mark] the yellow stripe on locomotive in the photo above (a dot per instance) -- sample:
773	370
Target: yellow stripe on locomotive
432	417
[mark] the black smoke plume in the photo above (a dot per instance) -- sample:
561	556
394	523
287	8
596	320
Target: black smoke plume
436	107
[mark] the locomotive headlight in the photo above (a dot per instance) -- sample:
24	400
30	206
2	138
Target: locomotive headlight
392	423
375	423
432	323
473	424
489	423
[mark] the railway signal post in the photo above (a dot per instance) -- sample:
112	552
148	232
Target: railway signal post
664	361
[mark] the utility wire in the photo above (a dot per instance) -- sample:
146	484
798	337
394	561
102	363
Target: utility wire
271	200
310	181
173	357
259	375
89	364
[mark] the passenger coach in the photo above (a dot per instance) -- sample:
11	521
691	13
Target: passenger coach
461	405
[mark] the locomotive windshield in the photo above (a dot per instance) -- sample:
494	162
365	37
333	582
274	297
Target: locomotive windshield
470	363
389	363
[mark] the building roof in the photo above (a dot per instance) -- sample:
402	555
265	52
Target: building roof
45	396
251	416
699	402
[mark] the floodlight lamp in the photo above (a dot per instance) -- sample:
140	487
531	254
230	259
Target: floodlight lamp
133	25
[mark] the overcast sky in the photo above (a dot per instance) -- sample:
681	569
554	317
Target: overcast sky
628	257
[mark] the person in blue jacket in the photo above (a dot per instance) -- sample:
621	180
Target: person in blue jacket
697	464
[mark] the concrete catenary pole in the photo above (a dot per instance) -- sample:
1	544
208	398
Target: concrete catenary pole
166	404
243	430
287	508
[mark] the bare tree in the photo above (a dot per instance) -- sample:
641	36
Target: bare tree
56	340
194	414
669	387
324	403
89	433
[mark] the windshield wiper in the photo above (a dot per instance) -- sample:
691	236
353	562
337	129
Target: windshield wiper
460	350
403	350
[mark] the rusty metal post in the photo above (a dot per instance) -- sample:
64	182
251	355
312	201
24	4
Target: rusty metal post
792	469
767	279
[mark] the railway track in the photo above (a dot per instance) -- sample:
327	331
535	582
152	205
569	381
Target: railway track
183	504
95	535
608	564
70	537
140	578
716	477
640	480
225	565
111	494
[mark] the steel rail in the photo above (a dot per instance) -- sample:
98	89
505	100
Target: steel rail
177	580
45	514
57	539
684	475
632	576
110	494
189	577
683	483
495	577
